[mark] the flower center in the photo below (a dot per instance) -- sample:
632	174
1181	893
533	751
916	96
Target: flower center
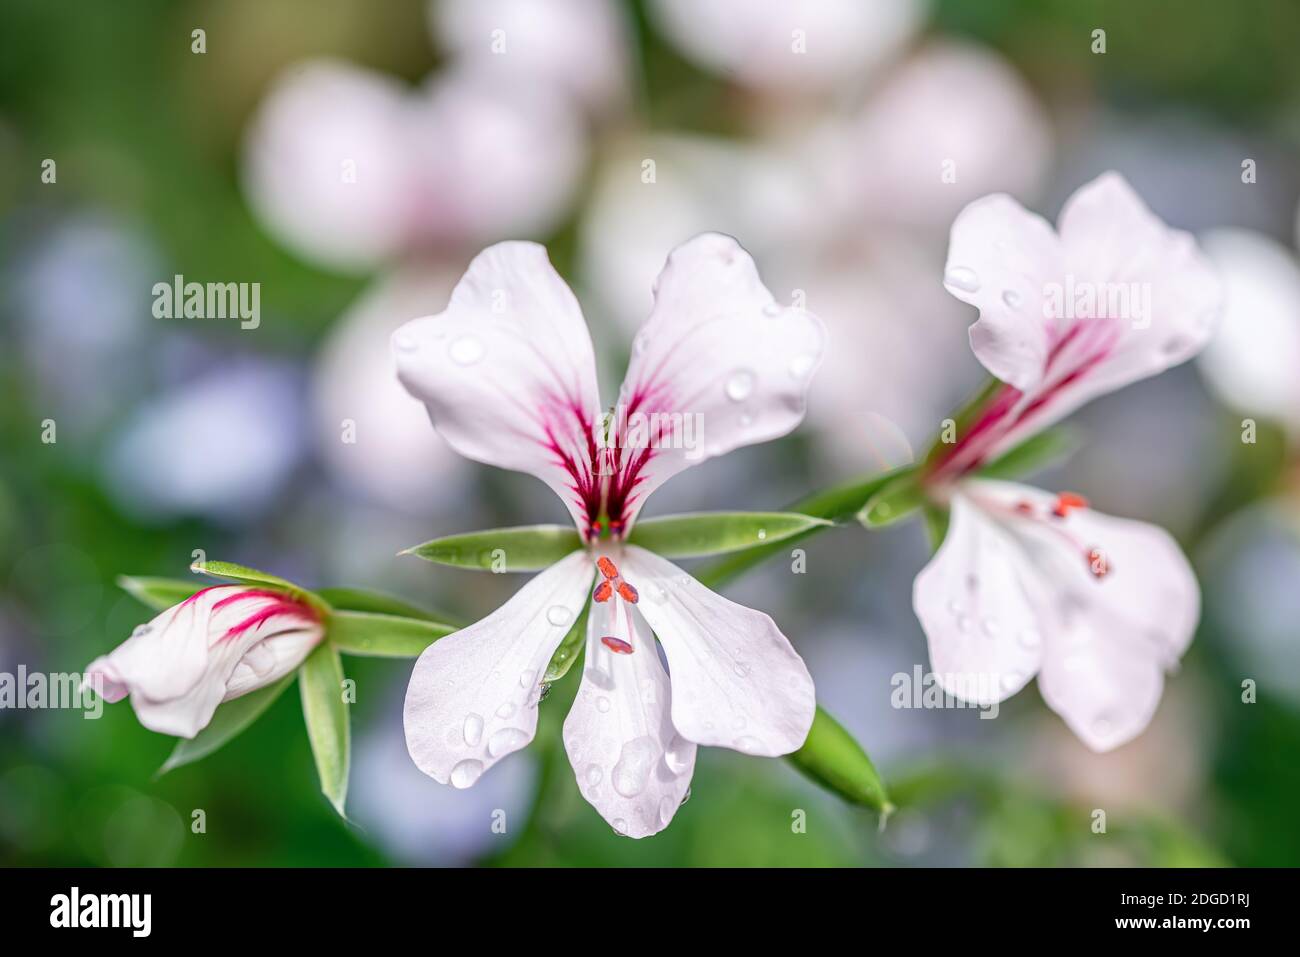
1052	517
613	583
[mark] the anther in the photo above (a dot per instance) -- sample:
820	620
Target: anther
628	593
1098	563
1066	502
617	645
603	591
607	567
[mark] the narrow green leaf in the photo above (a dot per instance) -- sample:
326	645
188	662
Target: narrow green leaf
896	501
836	504
718	533
936	525
570	649
229	720
383	636
526	548
1034	453
321	681
833	759
251	576
242	573
356	599
158	593
964	419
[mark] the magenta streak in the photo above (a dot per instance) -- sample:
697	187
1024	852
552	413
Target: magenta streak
1002	415
280	605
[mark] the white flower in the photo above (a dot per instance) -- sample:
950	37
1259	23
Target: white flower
218	644
508	375
1027	582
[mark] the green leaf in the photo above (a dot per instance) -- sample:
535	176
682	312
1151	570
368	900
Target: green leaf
526	548
833	759
964	419
242	573
836	504
158	593
717	533
1034	453
936	525
896	501
321	681
570	649
356	599
229	720
251	576
383	636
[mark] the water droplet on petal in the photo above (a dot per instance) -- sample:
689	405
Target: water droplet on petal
404	342
1011	298
1011	680
772	310
506	710
990	627
963	278
739	385
762	534
678	755
141	631
505	741
635	761
667	808
527	678
620	827
800	366
1102	726
1029	639
466	351
466	773
741	669
558	615
473	729
602	705
594	774
748	744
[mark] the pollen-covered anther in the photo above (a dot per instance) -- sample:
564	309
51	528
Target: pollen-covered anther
617	645
1098	563
1067	502
607	567
603	591
628	593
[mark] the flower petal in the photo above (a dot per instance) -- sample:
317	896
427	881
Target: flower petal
737	682
1001	258
220	643
1113	603
980	603
473	695
719	358
631	764
508	374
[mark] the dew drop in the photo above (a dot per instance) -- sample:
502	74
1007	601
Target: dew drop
677	757
772	310
635	762
506	710
963	278
1029	639
473	729
990	628
505	741
602	705
466	351
594	774
558	615
1011	680
1011	298
762	534
741	669
1102	726
963	624
404	342
667	808
739	385
466	773
527	678
141	631
620	827
748	744
800	366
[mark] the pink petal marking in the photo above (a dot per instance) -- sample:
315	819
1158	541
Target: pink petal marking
280	604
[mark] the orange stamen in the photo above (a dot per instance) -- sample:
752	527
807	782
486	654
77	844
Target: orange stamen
1066	502
603	591
617	645
628	592
607	567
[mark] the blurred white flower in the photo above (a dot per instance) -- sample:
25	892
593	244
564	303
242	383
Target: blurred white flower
784	46
655	192
1252	361
352	169
368	429
221	446
951	124
578	47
